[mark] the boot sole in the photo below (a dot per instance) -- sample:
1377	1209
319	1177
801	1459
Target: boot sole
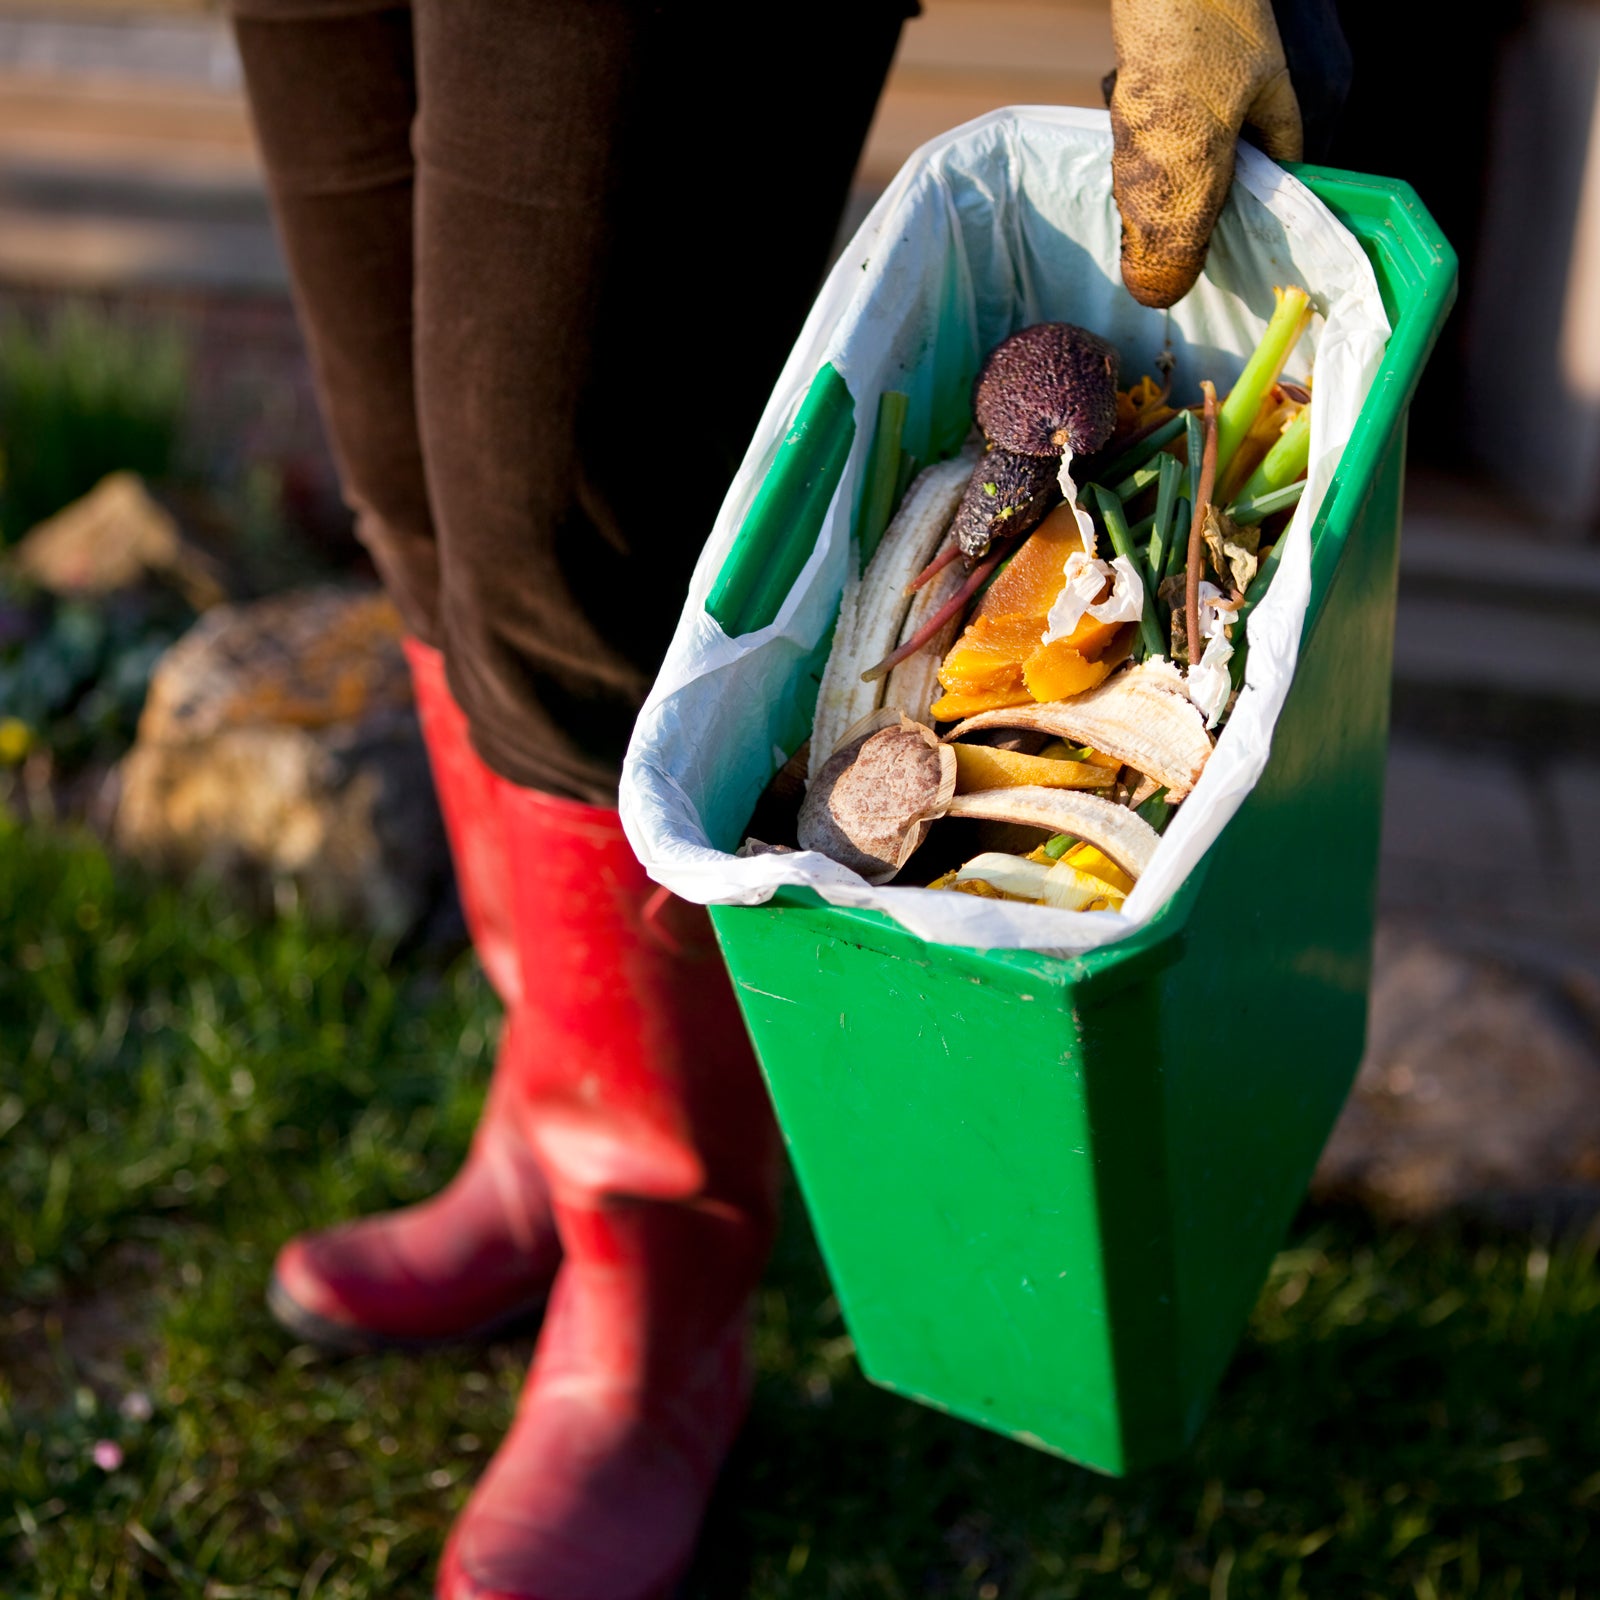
344	1339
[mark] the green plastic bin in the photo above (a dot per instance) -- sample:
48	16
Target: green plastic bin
1048	1190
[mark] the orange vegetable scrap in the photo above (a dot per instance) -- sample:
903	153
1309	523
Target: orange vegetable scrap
1001	659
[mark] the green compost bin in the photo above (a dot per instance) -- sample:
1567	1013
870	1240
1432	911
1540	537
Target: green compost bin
1048	1190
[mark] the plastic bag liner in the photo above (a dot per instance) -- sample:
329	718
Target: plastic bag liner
1006	221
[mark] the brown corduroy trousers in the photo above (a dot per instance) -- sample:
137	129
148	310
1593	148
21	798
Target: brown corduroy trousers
549	256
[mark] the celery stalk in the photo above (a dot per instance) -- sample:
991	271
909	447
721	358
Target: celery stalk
1261	371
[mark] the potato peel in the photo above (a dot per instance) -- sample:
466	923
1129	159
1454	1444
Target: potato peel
875	797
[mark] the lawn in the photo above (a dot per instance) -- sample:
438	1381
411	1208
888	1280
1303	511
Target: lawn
184	1084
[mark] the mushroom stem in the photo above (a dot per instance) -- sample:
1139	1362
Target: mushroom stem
1202	500
939	618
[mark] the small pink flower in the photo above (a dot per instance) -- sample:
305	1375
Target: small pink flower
107	1454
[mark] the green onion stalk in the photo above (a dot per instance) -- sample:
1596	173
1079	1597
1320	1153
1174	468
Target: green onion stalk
1161	523
1139	480
1136	455
1178	551
1197	450
1246	510
1122	543
1257	593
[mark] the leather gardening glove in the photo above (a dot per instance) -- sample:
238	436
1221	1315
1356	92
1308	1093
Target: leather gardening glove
1190	74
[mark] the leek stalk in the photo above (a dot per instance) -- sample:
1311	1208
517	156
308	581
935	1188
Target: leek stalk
1284	462
1289	319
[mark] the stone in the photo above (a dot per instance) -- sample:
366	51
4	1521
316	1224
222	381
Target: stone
1480	1092
279	748
116	537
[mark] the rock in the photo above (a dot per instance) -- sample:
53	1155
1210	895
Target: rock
1480	1092
116	537
279	746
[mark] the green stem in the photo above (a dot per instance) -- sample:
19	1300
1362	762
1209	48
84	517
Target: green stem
1178	550
1261	371
1122	543
1197	452
1136	455
1161	521
1256	594
1138	481
1247	509
1155	810
883	473
1284	462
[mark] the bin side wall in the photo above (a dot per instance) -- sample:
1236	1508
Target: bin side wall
939	1131
1265	1023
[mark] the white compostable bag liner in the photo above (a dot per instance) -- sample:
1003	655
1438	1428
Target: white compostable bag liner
1006	221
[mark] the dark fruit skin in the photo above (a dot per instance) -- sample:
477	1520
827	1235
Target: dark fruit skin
1007	494
1049	387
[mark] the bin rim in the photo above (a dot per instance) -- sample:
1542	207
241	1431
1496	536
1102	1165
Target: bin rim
1416	271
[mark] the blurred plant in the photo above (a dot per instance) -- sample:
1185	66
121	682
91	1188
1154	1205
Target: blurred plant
87	396
73	674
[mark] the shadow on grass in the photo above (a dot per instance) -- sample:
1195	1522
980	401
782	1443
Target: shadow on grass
1412	1413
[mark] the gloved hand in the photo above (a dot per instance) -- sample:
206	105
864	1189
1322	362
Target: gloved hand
1190	74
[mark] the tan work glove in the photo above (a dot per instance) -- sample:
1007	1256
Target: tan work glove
1189	74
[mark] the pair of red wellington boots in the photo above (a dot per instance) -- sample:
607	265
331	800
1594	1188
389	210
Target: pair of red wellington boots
624	1172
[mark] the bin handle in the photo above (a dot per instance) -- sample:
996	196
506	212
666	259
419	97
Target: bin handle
780	529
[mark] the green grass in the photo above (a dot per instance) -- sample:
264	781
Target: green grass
87	396
182	1086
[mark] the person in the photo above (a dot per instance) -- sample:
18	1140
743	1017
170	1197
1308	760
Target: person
549	256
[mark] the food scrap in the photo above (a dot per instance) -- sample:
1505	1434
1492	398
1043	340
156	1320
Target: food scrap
1024	654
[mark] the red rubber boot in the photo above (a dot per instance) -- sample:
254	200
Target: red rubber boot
483	1251
648	1115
